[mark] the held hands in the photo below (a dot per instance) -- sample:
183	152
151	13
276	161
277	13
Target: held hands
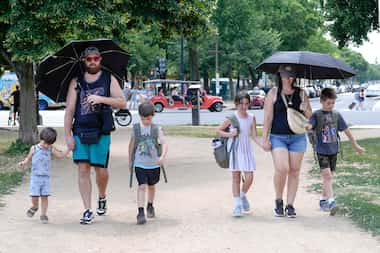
70	142
267	146
309	127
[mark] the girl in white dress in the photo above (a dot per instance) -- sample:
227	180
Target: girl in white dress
242	158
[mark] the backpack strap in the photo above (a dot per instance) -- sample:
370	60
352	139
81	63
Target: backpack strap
154	133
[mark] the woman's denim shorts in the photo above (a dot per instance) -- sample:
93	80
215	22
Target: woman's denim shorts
292	142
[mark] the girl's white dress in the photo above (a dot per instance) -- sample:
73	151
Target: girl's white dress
244	159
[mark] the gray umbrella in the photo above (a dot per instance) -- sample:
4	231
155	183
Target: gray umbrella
309	65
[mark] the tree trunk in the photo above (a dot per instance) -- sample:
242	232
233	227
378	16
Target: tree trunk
238	83
232	88
194	61
254	79
28	132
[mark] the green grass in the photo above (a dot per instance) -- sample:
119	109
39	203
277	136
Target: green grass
204	131
11	152
357	184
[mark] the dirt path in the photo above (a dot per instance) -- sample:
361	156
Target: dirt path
194	212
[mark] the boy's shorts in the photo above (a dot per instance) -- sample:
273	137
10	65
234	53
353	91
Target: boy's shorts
327	161
39	186
95	154
292	142
147	176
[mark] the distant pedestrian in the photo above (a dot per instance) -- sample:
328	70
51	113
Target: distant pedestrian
40	155
361	99
16	103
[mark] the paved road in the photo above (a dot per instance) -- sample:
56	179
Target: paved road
178	117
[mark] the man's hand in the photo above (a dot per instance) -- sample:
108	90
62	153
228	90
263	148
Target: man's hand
95	99
70	142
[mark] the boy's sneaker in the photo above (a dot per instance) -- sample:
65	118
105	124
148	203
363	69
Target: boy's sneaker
279	209
324	205
237	211
141	219
87	218
31	211
44	219
290	211
102	206
150	213
333	208
245	204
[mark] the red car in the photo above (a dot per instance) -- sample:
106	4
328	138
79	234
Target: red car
162	101
257	98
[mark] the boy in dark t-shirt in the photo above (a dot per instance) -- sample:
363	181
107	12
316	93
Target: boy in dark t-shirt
326	123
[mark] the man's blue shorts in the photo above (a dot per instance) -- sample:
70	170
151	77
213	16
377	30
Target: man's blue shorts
293	142
96	155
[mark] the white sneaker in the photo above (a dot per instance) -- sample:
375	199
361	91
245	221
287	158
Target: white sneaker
245	204
237	211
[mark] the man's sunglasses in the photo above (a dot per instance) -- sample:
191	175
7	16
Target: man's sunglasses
93	58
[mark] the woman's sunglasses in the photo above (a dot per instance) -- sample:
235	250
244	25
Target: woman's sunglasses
92	58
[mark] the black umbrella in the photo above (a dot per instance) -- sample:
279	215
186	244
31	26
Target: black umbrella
309	65
55	72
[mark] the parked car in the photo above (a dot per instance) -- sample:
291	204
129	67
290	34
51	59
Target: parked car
373	90
257	98
310	91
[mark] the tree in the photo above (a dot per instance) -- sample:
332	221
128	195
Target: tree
351	20
243	40
34	28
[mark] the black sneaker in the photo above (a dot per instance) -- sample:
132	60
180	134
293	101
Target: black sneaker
279	210
102	206
87	218
150	211
141	219
290	211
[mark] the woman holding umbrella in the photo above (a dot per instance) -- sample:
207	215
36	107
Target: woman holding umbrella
287	147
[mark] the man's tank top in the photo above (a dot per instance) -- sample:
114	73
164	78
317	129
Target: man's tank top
280	123
86	116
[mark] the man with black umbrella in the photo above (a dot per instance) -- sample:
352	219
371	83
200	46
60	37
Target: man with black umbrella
88	123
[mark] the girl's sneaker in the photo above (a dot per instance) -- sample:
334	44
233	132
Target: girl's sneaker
237	211
87	218
44	219
290	211
279	209
31	211
245	204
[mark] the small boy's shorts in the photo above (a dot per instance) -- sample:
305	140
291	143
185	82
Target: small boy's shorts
147	176
39	186
327	161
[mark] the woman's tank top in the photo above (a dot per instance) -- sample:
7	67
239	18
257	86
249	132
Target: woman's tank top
280	123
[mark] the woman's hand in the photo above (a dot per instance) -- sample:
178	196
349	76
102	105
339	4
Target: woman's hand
267	146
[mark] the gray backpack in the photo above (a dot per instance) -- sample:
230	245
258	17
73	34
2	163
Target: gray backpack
221	151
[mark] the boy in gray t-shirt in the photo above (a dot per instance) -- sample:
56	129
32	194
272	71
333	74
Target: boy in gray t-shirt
326	123
147	151
40	154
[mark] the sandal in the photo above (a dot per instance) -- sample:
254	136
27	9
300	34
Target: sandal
31	211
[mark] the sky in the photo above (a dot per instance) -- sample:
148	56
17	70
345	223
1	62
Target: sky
370	49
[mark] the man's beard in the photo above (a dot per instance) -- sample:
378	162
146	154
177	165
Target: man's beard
93	70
